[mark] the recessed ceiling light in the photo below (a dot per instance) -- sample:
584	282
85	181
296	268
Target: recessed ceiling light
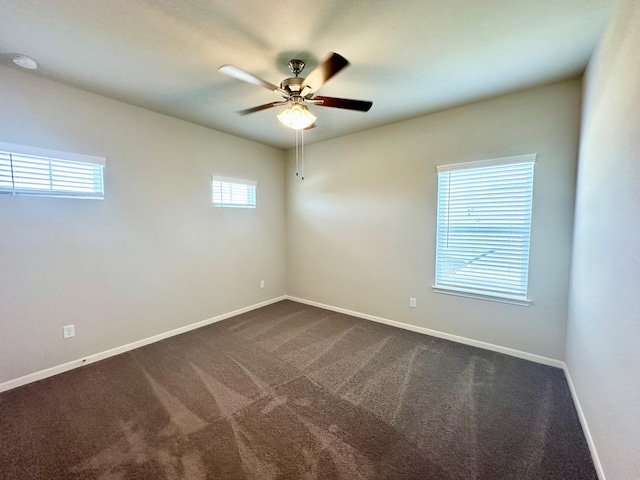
25	62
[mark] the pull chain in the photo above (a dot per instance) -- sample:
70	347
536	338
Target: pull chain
302	153
296	153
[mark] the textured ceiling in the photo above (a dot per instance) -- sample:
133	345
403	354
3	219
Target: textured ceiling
409	57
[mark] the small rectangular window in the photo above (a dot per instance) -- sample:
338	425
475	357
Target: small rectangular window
484	227
233	192
41	172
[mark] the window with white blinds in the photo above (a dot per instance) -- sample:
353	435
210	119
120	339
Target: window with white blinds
35	171
483	228
233	192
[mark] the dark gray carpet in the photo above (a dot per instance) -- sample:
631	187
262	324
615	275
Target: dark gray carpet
295	392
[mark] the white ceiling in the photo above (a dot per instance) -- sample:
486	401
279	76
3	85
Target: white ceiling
408	57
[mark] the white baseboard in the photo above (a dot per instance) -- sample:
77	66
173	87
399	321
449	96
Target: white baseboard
585	426
436	333
49	372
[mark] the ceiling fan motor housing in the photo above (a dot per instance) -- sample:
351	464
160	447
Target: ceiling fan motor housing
293	84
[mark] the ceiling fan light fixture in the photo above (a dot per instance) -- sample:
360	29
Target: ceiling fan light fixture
297	116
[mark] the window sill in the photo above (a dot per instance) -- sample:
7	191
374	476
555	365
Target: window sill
459	292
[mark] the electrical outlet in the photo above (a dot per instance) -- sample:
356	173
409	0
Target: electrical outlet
69	331
412	302
261	283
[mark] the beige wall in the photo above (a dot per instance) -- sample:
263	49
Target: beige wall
361	226
154	255
603	352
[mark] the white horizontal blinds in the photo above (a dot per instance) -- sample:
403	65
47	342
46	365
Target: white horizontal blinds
25	174
233	192
484	224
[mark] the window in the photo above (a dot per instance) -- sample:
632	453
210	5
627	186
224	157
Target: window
483	229
36	171
233	192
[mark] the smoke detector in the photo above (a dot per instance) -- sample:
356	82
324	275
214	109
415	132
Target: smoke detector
25	62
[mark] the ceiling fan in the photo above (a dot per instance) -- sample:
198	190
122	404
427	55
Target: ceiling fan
297	92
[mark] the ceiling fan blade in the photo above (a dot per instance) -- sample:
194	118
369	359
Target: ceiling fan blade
262	107
323	72
347	103
306	90
240	74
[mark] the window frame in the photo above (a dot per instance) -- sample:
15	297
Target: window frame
479	293
252	192
60	170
